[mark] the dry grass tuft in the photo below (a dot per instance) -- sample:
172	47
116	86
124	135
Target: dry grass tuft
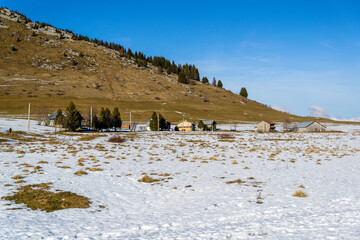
235	181
300	193
225	136
147	179
95	169
116	139
80	173
37	197
234	162
18	176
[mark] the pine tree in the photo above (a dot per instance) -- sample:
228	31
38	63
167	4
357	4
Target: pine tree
154	122
163	124
105	118
73	117
182	78
214	82
205	80
243	92
116	119
59	118
219	84
201	125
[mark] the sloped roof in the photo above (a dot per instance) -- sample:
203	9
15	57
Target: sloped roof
306	124
271	123
209	122
52	116
185	123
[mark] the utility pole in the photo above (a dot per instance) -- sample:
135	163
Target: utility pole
91	117
158	118
29	119
130	122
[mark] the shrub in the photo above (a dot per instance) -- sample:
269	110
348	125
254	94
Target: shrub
80	173
116	139
300	193
147	179
225	136
235	181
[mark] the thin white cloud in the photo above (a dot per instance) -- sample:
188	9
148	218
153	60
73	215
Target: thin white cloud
356	119
318	111
280	108
327	45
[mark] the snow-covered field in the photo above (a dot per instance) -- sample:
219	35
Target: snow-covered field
192	200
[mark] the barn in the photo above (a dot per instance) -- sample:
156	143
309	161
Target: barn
312	126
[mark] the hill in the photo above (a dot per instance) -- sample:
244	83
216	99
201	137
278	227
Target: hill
47	67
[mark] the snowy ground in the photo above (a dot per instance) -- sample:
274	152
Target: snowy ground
194	201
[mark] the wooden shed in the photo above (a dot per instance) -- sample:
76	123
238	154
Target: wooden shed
211	124
312	126
265	126
186	126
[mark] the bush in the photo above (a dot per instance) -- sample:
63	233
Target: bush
116	139
300	193
225	136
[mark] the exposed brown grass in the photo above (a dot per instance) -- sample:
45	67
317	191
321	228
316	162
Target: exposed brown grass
37	196
80	173
148	179
235	181
226	136
300	193
116	139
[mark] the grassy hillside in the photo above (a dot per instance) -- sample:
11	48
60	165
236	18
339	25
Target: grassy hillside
48	69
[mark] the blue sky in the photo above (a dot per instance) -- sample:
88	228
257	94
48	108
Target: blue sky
293	55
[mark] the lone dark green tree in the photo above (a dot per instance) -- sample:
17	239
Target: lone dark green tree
214	81
73	117
219	84
116	119
154	122
243	92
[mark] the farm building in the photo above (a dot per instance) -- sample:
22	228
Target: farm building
265	126
211	124
186	126
310	127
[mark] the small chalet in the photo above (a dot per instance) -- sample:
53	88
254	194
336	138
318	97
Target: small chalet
265	126
311	126
211	124
186	126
